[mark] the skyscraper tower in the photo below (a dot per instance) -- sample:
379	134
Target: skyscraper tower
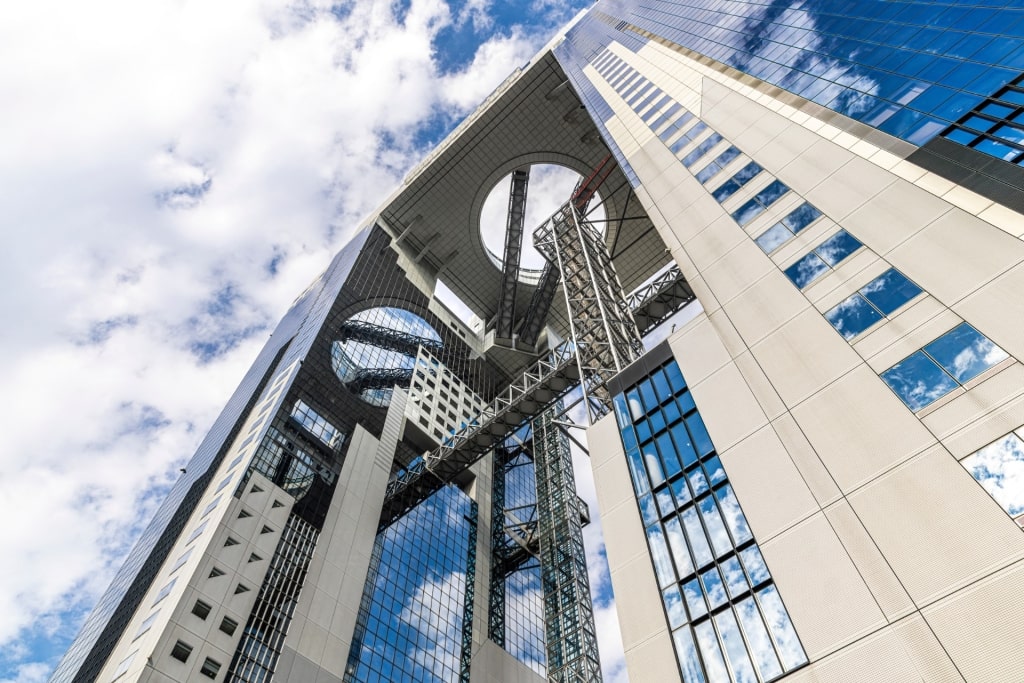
817	477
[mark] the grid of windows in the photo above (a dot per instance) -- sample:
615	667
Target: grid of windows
873	302
410	625
263	638
727	619
999	468
822	258
950	361
909	68
996	126
318	426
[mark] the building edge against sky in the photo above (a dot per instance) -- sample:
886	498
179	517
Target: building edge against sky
818	477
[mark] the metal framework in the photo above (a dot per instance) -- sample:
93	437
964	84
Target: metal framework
379	378
601	324
386	338
513	252
568	611
656	301
540	304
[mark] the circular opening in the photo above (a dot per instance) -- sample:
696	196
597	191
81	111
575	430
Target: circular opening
379	351
550	186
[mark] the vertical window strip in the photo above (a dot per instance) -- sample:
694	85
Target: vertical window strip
726	617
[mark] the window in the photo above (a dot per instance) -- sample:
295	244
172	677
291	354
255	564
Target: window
197	532
181	560
703	148
146	625
181	651
209	508
720	603
719	163
165	591
761	201
228	625
871	303
738	180
201	609
123	667
224	482
777	235
999	468
688	137
317	425
826	255
952	360
210	668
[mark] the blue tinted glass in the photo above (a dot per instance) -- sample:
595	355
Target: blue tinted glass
654	471
665	502
964	352
838	247
801	217
772	193
806	270
694	598
1009	133
748	212
668	455
708	172
702	149
661	387
918	381
773	238
889	291
648	395
997	149
700	435
728	189
747	173
853	316
681	491
675	377
647	510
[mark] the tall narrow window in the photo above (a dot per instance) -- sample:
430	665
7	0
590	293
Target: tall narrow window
727	620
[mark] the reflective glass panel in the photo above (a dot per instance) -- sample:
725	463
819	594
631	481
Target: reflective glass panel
852	316
999	468
806	270
965	353
889	291
918	381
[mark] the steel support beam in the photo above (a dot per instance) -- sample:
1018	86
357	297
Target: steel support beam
540	304
513	253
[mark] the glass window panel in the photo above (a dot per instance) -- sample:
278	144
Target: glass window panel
754	564
685	401
657	421
780	626
735	648
622	415
806	270
674	607
714	589
726	190
1010	133
636	468
661	386
647	509
772	193
889	291
636	408
684	447
701	440
665	502
643	430
695	534
675	377
659	553
712	654
716	528
918	381
629	437
716	473
654	471
838	247
686	652
694	599
677	544
671	412
999	468
761	649
852	316
748	212
735	579
681	491
733	514
648	395
668	455
698	482
965	353
997	149
773	238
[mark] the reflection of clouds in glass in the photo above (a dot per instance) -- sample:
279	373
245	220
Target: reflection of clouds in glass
781	627
918	381
733	515
806	270
735	649
999	468
674	607
765	659
773	238
964	352
713	588
712	655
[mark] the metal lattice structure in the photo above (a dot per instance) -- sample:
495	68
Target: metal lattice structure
568	610
513	252
387	338
656	301
540	304
600	321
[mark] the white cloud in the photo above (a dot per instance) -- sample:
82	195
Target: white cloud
158	158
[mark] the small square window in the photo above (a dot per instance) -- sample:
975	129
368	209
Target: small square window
210	668
201	609
999	467
228	625
181	651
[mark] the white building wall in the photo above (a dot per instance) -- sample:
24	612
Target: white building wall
893	562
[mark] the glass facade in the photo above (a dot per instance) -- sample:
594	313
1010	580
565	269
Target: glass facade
412	618
913	69
727	620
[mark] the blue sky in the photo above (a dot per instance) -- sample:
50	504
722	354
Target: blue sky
174	174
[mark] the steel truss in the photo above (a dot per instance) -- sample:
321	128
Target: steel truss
656	301
386	338
513	252
568	611
600	321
